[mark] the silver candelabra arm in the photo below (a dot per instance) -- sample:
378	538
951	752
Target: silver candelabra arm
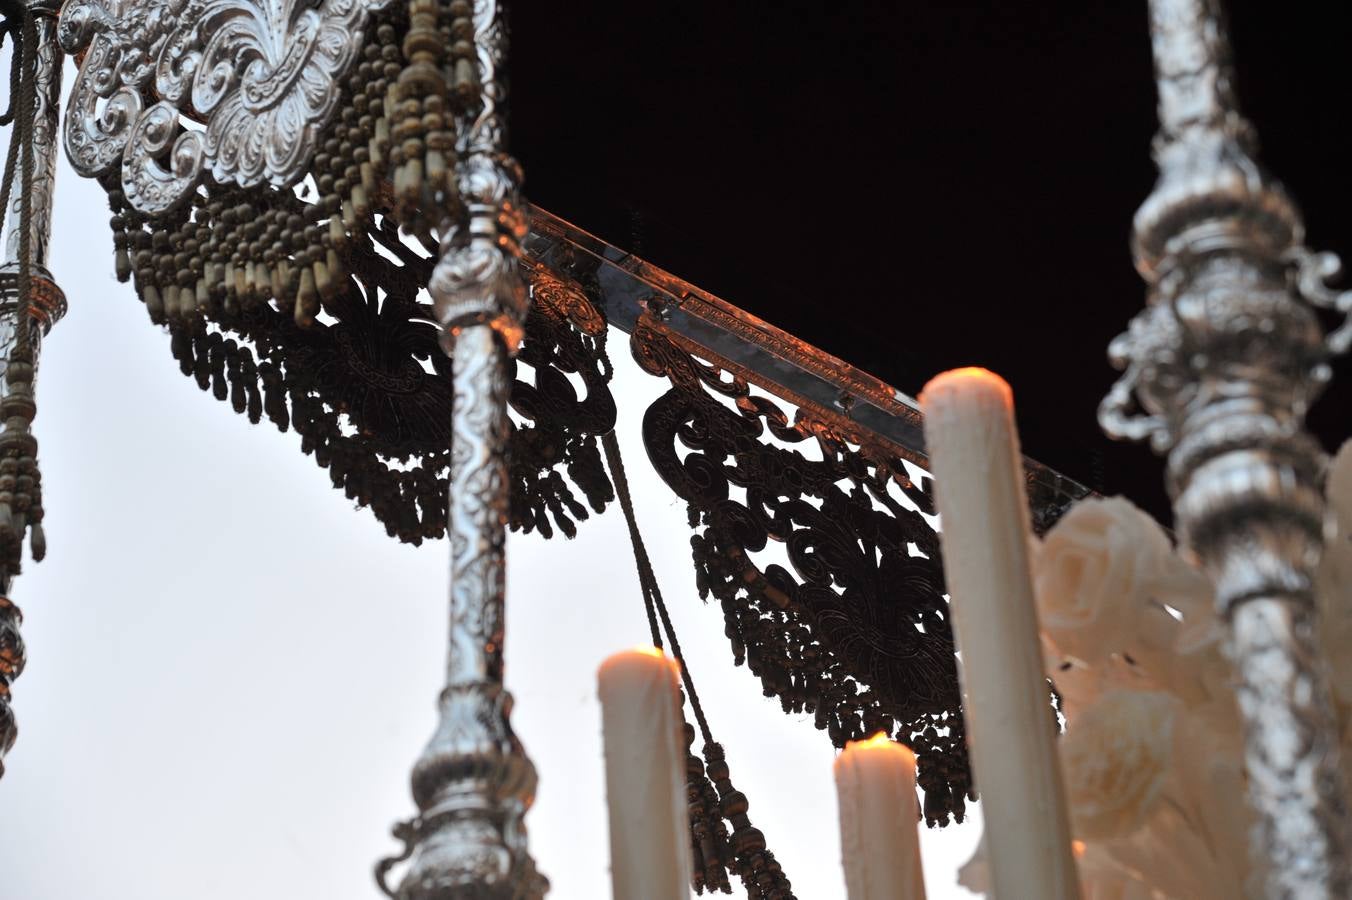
1223	363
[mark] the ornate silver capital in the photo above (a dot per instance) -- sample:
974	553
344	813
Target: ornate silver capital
1224	362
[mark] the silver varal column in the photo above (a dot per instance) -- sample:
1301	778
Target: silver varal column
44	305
1224	362
473	783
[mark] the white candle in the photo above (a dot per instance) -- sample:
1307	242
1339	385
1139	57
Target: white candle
645	776
879	846
983	510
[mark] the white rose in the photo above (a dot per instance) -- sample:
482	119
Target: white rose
1096	570
1115	758
1079	686
1100	877
1209	794
1186	656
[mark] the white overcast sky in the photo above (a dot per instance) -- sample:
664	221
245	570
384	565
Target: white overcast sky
231	670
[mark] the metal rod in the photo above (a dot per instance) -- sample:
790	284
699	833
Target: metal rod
624	287
1224	361
44	304
473	783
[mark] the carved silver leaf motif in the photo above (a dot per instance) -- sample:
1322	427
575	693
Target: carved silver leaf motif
261	74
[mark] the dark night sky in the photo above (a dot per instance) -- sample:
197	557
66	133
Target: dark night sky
914	186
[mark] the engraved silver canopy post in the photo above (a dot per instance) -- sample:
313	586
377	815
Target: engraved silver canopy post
26	292
1224	361
473	782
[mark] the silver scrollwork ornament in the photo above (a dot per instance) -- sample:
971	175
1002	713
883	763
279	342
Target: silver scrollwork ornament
261	75
1224	362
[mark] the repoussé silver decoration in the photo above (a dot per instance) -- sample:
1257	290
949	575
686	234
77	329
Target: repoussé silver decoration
263	75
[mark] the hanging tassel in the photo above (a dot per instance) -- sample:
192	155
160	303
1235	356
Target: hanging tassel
760	872
709	847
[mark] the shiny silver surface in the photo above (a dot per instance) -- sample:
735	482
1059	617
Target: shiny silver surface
478	278
1223	363
46	124
473	783
261	75
43	304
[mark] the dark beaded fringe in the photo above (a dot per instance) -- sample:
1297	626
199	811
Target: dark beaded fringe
411	503
228	260
711	853
230	250
760	872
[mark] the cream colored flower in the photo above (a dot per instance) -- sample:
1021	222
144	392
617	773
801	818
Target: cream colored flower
1183	650
1095	572
1079	685
1100	877
1115	759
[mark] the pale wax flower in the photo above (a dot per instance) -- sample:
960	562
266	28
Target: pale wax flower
1095	573
1100	877
1079	686
1182	649
1116	759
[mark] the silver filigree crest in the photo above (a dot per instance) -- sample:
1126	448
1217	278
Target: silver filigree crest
262	75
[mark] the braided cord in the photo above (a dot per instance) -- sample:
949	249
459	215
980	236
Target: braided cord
652	595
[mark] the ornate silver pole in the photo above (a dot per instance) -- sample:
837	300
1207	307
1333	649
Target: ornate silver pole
474	783
1225	360
43	305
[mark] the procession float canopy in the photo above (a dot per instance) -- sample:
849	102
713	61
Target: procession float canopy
319	204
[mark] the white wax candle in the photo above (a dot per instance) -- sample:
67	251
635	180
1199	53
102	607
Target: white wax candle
645	776
983	510
879	846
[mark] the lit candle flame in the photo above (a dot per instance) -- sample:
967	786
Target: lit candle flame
877	740
649	650
945	382
880	741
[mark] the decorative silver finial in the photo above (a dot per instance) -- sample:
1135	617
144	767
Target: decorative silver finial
1224	361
